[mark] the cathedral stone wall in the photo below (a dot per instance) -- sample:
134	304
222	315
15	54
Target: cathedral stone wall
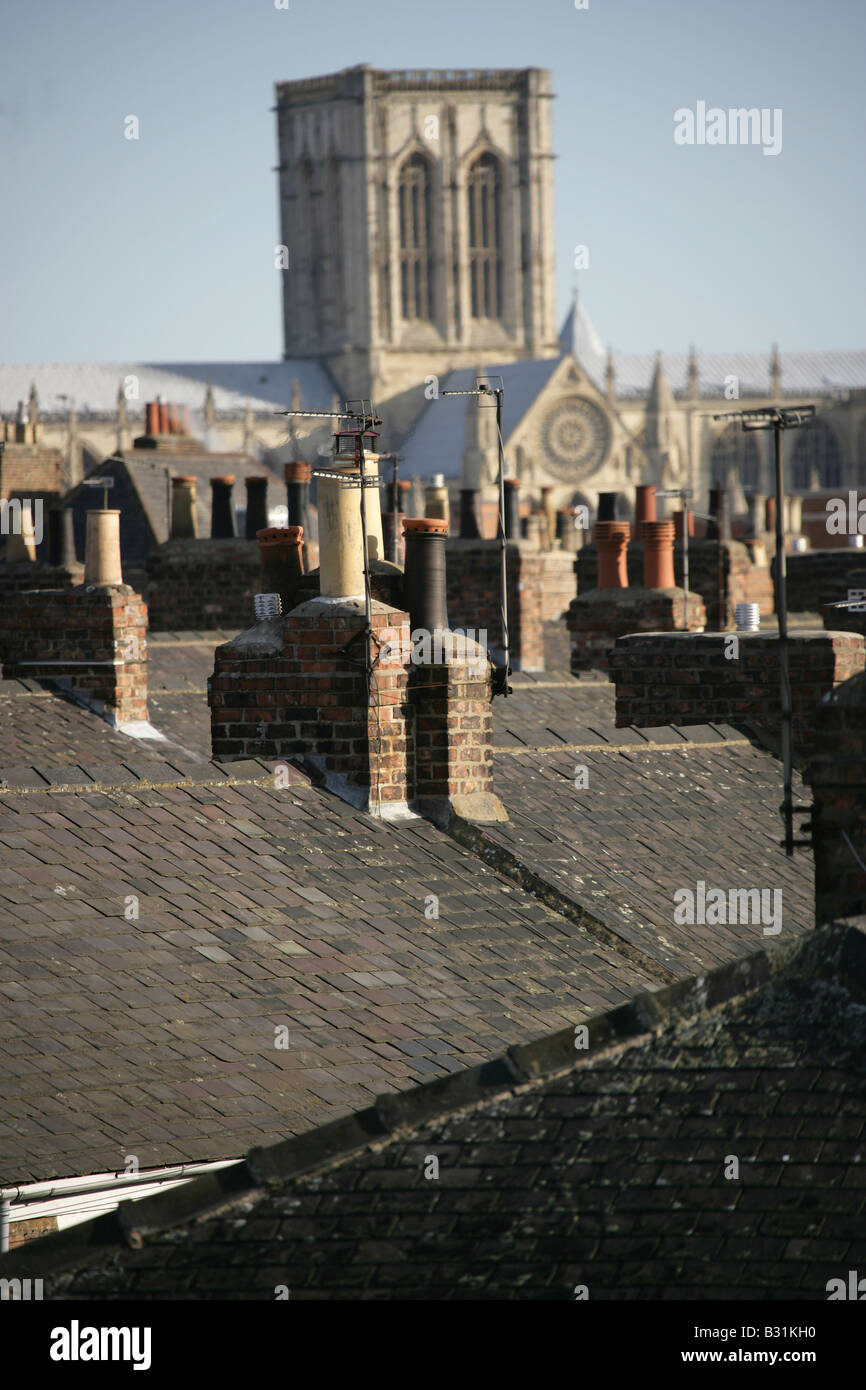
385	309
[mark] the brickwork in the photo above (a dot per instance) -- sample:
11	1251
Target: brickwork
15	579
202	584
844	619
745	581
596	619
818	577
453	729
685	678
22	1231
31	469
474	596
386	584
295	687
837	774
93	641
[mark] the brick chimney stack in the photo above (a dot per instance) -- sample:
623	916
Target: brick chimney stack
450	685
412	729
297	686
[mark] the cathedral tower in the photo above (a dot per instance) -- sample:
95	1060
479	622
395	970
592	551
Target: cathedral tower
417	210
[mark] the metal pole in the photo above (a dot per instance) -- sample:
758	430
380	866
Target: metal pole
720	558
368	612
686	560
396	512
782	615
503	575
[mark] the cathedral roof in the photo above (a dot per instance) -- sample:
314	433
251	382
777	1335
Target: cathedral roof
437	440
93	385
810	373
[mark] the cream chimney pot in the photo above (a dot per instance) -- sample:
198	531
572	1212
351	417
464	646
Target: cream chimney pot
102	551
341	553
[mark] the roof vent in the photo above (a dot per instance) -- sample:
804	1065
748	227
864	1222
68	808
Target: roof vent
267	606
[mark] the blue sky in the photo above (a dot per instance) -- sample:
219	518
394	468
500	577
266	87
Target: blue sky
162	248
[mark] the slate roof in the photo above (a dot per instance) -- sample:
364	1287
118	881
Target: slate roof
147	469
257	907
437	440
802	373
664	808
141	491
260	907
93	385
606	1170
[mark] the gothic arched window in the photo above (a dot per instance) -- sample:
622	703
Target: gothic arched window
485	238
308	212
416	249
335	242
816	457
736	452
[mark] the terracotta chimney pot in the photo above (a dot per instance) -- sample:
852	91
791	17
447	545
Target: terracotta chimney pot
611	539
280	551
678	524
658	555
644	506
